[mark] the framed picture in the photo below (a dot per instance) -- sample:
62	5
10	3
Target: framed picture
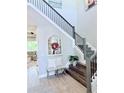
89	4
54	45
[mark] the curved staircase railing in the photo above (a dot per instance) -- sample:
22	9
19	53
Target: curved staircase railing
89	55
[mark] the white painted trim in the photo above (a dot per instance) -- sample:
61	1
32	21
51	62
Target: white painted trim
55	55
80	53
77	48
94	85
42	76
92	48
45	75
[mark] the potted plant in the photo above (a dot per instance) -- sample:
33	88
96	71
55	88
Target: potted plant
73	60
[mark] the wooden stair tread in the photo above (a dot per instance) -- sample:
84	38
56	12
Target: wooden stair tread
80	71
81	65
77	76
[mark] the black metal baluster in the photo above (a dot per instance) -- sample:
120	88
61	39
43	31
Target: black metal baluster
96	62
91	69
94	66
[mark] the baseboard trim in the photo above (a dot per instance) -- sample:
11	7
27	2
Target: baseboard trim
42	76
45	75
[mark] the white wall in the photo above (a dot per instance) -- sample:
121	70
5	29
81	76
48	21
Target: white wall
87	22
45	30
44	34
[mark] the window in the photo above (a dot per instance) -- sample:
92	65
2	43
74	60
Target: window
32	46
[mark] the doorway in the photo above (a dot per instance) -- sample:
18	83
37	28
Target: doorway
32	46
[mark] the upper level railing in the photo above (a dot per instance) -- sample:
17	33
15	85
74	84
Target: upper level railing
52	14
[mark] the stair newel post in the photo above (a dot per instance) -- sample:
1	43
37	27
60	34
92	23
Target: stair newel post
88	68
88	75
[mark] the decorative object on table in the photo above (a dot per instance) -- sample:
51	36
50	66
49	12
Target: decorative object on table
89	4
73	60
54	45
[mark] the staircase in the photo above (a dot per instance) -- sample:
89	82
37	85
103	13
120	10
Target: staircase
83	73
89	51
78	72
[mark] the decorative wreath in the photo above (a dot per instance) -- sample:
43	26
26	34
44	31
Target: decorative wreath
55	46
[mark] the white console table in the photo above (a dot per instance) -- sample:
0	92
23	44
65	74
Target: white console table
55	63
